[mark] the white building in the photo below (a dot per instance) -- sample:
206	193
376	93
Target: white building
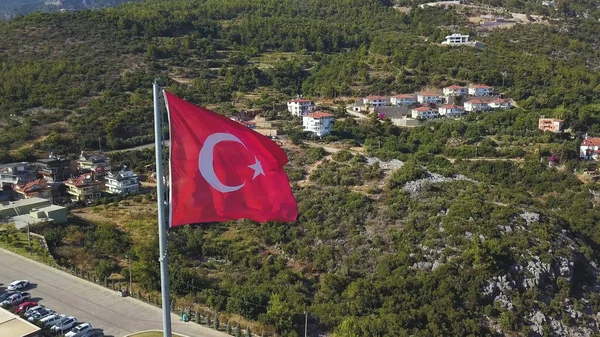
424	112
375	101
590	148
403	100
480	90
451	110
428	98
122	182
319	123
97	163
456	39
299	106
500	103
455	90
475	105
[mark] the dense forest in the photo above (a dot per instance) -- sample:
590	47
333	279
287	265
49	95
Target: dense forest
473	232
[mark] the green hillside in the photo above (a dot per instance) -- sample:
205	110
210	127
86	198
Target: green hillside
454	228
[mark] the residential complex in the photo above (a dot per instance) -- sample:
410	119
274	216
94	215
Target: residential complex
589	148
551	124
97	163
428	98
375	101
17	173
122	182
476	105
38	188
480	90
403	100
319	123
451	110
299	106
455	90
83	188
54	168
424	112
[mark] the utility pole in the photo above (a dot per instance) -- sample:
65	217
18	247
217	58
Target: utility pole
29	238
305	324
130	290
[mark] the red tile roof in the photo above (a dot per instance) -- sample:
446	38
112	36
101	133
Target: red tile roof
423	108
500	101
82	180
28	187
318	115
300	100
591	141
552	120
404	96
451	106
454	87
372	98
429	94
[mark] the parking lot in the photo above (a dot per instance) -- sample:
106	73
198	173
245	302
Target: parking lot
88	302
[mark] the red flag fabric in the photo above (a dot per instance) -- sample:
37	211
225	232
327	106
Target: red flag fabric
222	170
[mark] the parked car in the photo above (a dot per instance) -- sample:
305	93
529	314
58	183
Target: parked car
51	320
94	333
31	310
19	284
5	295
15	299
80	330
25	306
64	325
40	314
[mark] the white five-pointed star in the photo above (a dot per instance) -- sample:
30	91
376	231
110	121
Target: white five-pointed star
257	167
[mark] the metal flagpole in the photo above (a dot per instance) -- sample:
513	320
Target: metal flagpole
162	225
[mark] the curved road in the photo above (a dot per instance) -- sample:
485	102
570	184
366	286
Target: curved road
89	302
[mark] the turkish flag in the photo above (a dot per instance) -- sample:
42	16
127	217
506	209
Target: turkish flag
221	170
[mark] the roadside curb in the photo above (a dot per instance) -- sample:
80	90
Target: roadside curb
137	333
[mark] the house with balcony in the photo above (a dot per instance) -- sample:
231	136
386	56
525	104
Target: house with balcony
480	90
17	173
590	148
83	188
38	188
299	106
451	110
428	98
54	168
551	124
403	99
476	105
97	163
424	112
500	103
456	40
123	182
375	101
455	90
319	123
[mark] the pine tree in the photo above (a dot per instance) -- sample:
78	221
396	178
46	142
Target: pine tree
229	328
238	331
217	323
248	332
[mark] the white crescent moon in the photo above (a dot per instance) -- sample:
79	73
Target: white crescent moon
205	161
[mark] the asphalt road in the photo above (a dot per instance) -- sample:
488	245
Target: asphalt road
89	302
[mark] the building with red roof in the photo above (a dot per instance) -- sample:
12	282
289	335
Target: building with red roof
424	112
455	90
403	99
428	98
320	123
83	188
589	148
299	106
34	189
476	105
480	90
451	110
551	124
